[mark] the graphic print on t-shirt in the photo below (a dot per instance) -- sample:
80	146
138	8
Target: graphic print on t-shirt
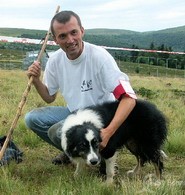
86	85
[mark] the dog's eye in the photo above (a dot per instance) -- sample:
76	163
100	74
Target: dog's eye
95	142
82	145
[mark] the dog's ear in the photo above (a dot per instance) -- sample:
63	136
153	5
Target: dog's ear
69	139
97	132
73	138
100	139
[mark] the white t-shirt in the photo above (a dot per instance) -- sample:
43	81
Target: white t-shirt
92	78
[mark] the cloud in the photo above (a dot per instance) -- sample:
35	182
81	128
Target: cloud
142	15
14	4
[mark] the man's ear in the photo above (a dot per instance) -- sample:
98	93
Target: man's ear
82	31
54	39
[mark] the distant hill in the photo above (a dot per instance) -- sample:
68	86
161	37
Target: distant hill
172	37
21	32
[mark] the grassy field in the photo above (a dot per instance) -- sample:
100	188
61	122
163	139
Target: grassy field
37	175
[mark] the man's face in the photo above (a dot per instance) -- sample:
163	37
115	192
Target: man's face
69	37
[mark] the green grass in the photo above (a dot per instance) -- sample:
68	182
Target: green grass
37	175
151	70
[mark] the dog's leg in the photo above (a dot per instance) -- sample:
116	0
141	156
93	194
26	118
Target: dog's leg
79	166
157	171
136	170
76	173
110	171
158	165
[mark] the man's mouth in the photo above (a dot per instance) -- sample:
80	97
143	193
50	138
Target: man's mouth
72	47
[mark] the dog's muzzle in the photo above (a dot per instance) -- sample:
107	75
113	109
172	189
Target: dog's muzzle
94	161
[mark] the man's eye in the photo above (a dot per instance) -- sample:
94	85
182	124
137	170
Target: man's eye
62	36
74	32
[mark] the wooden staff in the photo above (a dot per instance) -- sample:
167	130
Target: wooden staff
24	96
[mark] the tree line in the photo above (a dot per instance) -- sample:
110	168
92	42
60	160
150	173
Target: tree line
159	59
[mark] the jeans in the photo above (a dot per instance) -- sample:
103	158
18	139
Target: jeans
46	122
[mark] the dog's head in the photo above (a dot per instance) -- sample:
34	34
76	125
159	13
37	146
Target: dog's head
83	141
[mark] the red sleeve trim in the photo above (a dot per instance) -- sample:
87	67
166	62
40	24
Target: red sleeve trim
125	89
118	91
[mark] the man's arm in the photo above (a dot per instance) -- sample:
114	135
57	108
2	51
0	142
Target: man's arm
125	107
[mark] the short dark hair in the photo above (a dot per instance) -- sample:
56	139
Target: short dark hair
63	17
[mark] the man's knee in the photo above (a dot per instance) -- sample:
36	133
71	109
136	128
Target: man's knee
54	133
32	120
28	120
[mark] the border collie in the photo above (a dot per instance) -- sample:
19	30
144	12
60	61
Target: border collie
142	133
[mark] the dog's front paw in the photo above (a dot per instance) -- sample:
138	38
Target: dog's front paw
76	173
109	181
131	174
150	178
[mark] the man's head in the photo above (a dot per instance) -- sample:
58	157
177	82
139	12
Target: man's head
68	32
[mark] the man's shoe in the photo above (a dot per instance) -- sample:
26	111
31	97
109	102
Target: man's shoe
62	158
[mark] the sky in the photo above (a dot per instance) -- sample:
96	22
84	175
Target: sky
135	15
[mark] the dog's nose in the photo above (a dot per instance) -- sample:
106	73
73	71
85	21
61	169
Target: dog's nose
94	161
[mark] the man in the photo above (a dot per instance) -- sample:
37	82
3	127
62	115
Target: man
85	75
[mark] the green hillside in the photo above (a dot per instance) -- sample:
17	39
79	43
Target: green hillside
172	37
21	32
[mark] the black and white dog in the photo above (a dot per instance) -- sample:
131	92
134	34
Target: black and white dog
143	133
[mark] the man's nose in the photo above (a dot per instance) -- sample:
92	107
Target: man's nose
70	39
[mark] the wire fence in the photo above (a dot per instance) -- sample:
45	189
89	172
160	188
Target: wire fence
150	70
126	66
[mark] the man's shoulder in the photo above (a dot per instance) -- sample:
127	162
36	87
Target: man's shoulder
95	49
56	56
56	53
92	46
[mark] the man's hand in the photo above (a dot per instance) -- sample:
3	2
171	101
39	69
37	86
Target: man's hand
34	70
105	135
125	106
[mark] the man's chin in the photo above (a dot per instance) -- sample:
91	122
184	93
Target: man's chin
73	54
